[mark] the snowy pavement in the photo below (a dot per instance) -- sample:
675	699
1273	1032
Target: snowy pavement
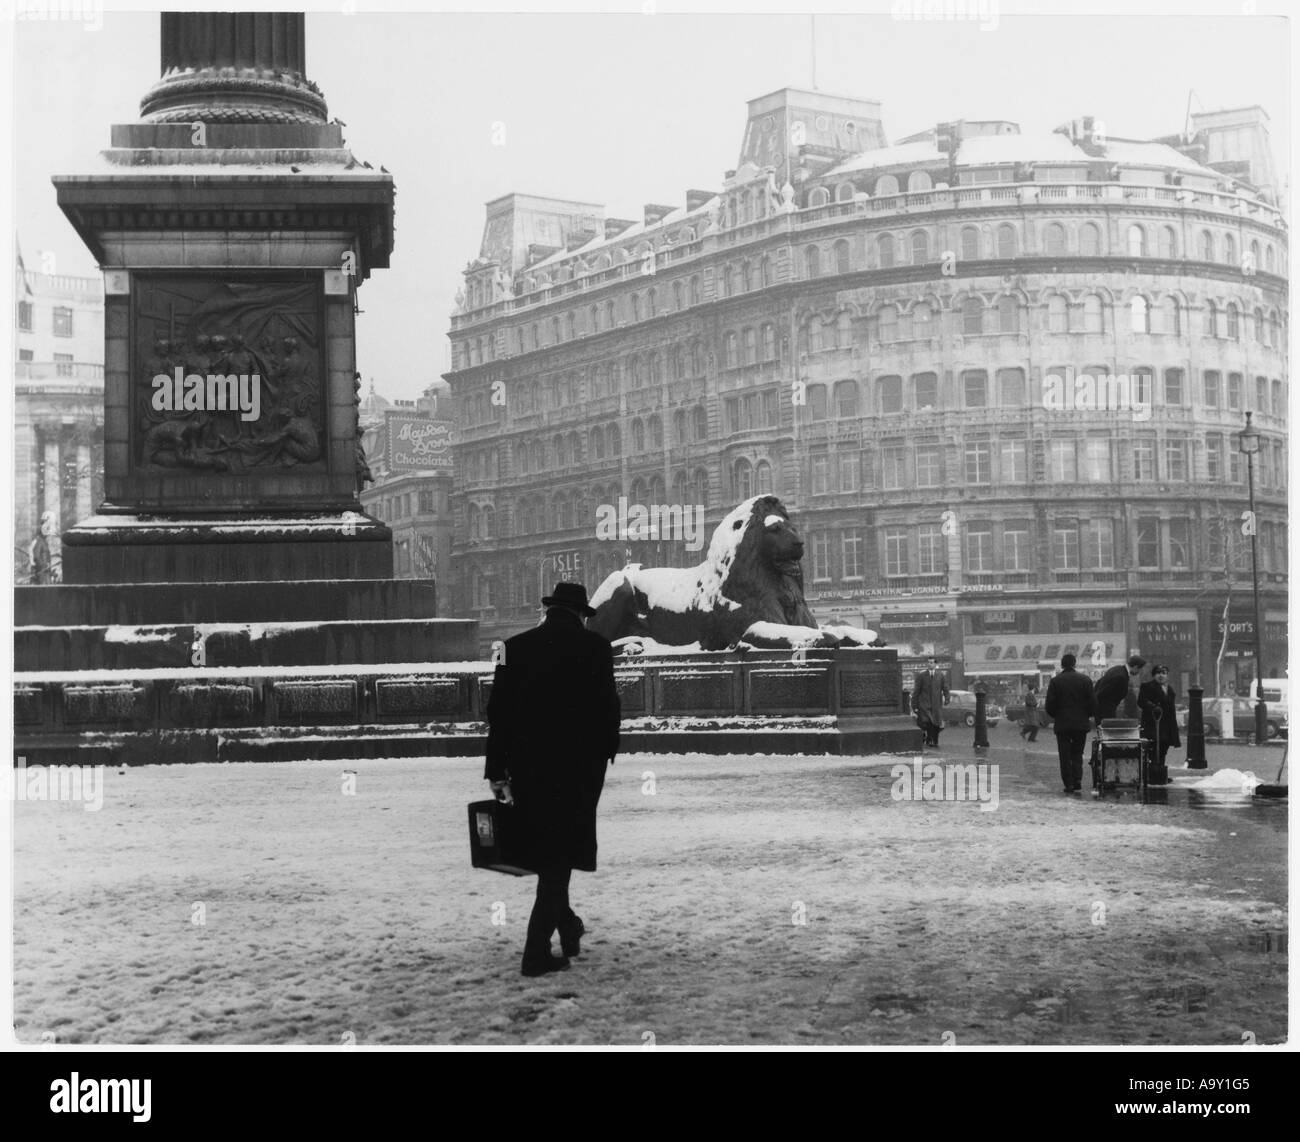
739	900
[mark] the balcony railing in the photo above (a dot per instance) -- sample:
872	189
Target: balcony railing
58	371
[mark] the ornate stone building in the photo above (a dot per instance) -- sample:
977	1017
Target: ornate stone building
58	414
996	377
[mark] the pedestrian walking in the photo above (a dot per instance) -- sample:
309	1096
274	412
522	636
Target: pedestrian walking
1158	703
1118	686
929	696
1071	703
553	719
1030	725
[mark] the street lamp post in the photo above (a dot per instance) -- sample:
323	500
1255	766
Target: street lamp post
1249	442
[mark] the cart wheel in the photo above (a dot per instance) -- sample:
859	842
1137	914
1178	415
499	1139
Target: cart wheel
970	719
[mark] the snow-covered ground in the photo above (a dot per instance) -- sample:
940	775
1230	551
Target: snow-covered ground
739	900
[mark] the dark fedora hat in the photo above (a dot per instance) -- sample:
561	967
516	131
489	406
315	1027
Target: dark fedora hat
569	595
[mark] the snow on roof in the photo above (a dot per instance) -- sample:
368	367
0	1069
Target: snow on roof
1133	153
901	155
985	149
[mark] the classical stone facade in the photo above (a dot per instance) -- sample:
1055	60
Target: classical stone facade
995	377
58	441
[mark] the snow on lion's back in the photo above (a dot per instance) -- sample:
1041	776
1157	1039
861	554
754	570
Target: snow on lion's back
681	588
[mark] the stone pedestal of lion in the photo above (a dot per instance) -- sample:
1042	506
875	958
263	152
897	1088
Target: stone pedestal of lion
730	645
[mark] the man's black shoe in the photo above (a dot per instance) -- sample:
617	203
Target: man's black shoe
570	934
539	966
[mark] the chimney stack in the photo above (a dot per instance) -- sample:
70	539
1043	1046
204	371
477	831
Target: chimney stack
615	226
697	198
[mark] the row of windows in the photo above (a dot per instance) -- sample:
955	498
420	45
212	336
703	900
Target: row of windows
1003	242
61	319
1006	461
985	547
1009	389
400	507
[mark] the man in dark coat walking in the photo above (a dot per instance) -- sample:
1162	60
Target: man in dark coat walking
1072	705
929	696
1113	690
552	729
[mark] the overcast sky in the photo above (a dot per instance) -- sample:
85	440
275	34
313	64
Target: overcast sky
622	110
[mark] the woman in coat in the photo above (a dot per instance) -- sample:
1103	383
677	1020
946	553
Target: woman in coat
1158	696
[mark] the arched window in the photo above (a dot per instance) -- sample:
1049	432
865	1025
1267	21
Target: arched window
677	294
1094	320
972	315
555	330
679	428
697	359
919	181
638	435
1273	329
1229	249
920	247
970	244
656	489
1089	240
652	302
1137	242
844	331
634	303
732	281
922	320
1139	315
1234	322
521	459
730	353
844	192
769	341
763	478
812	258
679	363
596	444
846	399
1054	239
700	422
1211	328
746	277
613	440
765	271
560	452
1207	246
1254	255
656	432
842	260
815	335
1006	241
1269	262
656	369
819	196
817	402
1008	314
742	480
1168	242
885	250
615	378
636	372
475	521
750	340
695	289
1258	318
1171	316
1058	314
886	184
489	523
887	323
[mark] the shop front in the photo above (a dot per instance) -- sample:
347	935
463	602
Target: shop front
1169	638
1232	660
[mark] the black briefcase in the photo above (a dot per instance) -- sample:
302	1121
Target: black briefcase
494	838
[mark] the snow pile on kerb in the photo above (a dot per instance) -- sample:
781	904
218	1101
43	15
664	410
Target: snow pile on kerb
1228	780
682	589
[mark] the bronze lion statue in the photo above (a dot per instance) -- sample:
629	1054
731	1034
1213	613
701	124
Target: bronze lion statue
751	574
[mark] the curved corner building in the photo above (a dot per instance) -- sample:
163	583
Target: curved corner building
997	378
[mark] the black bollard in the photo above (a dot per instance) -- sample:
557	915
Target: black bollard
981	722
1195	729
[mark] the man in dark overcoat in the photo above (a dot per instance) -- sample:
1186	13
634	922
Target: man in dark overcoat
1072	705
1116	690
1158	703
929	696
553	720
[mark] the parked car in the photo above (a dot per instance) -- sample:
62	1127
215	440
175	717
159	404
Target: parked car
1243	719
960	710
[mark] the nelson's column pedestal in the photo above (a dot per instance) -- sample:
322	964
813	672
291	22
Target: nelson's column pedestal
230	598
